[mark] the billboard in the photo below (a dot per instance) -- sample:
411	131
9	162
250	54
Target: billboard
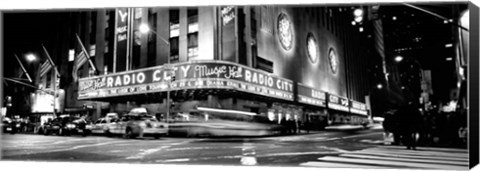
189	75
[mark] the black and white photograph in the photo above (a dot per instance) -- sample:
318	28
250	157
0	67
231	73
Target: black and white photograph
308	86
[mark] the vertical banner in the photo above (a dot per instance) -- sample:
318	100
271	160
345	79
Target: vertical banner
121	38
228	38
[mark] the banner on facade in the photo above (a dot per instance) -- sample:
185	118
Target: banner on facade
190	75
308	95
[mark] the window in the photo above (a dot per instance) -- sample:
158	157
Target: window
174	34
93	27
151	49
174	49
192	47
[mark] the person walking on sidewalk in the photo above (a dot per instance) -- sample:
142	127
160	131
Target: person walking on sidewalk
410	123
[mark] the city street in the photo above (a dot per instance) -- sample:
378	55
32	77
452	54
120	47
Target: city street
362	149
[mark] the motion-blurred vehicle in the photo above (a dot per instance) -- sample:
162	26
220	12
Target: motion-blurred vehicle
10	126
221	122
137	123
66	125
101	125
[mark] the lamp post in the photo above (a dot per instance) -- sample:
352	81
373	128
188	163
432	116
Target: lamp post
144	28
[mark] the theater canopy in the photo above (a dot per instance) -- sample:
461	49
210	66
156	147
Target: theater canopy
184	76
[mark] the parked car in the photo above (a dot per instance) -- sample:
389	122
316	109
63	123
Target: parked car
9	125
66	125
134	125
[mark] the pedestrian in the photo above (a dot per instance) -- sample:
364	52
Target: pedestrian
307	124
410	123
388	124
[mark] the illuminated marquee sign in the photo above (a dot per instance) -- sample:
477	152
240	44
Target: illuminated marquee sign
338	103
311	96
192	75
358	108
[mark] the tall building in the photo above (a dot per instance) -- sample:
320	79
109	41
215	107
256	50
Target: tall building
424	51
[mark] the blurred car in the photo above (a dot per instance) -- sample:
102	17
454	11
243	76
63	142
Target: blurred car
133	125
66	125
9	125
101	125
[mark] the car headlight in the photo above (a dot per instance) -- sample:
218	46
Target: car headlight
142	124
70	126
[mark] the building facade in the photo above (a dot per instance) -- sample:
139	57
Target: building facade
290	62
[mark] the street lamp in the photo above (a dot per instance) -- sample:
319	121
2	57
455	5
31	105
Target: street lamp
379	86
145	29
31	57
398	59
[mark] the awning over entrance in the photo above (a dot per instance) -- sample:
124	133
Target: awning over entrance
200	75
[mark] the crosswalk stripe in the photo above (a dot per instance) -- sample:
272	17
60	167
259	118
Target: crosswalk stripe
406	159
411	156
457	150
389	163
396	157
341	165
418	152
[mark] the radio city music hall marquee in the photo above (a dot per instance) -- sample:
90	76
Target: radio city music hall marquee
190	75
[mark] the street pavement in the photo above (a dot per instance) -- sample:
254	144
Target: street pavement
318	149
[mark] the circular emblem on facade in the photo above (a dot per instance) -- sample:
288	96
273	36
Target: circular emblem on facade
332	58
285	31
312	48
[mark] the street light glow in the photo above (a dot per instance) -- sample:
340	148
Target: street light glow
379	86
358	12
358	19
31	57
398	58
144	28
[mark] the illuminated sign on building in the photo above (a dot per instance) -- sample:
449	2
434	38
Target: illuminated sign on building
337	103
121	34
310	96
358	108
285	31
191	75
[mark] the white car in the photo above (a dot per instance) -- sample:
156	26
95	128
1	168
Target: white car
101	125
131	126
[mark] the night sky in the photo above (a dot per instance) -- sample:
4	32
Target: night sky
24	33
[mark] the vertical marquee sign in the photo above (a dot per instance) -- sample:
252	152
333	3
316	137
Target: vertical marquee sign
228	33
121	38
337	103
308	95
